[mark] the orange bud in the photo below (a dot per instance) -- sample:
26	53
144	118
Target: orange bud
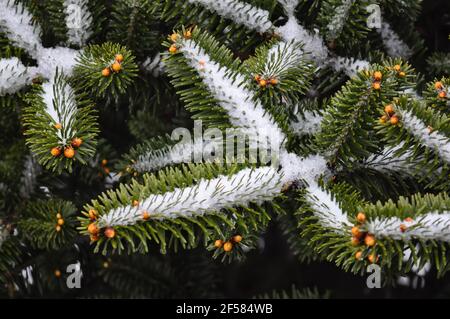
370	240
106	72
174	37
227	246
237	238
377	75
145	215
173	49
394	120
356	232
361	217
110	232
218	243
76	142
69	152
355	241
389	109
56	151
119	58
403	228
92	228
116	67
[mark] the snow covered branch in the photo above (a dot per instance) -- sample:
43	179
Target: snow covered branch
240	12
433	139
244	111
394	46
248	185
16	22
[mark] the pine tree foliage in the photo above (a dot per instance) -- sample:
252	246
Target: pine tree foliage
96	61
356	114
61	127
43	218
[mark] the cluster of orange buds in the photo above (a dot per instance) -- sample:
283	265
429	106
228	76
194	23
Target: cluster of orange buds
399	71
69	152
389	115
228	245
115	67
104	166
59	222
94	231
174	37
441	90
377	77
263	82
359	236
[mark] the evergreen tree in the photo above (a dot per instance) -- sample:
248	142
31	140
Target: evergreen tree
341	109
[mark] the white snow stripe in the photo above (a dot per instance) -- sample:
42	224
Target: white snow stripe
341	13
307	123
433	225
248	185
240	12
59	99
326	209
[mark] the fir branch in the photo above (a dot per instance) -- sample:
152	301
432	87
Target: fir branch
60	126
49	224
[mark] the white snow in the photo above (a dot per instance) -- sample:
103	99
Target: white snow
78	21
14	75
249	185
240	12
